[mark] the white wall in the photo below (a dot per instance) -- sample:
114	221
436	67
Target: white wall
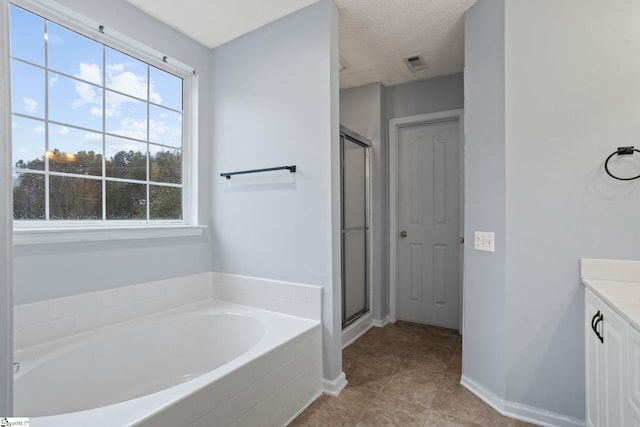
544	108
275	102
57	270
572	97
362	110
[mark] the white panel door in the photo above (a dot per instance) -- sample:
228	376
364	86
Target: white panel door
428	223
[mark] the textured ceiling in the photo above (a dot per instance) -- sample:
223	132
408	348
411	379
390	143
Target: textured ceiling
214	22
375	35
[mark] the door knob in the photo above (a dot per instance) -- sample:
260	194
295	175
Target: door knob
403	233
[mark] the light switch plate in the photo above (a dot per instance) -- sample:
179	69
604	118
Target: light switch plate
484	241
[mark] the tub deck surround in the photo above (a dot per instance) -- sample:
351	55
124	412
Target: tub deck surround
267	382
283	297
617	282
275	372
50	320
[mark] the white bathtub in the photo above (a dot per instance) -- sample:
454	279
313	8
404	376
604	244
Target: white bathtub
213	363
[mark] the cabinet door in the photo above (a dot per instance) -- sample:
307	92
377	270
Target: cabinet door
633	385
614	331
593	361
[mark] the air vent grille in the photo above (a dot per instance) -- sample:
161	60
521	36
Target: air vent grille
415	63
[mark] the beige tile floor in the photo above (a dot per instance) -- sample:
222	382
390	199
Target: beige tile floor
404	375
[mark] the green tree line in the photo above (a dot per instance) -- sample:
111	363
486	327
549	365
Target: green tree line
79	198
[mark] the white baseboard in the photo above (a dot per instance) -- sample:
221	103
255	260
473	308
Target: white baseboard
380	323
356	330
334	387
518	411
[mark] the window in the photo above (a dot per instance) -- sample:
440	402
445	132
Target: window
98	135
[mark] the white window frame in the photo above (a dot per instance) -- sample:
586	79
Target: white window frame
59	231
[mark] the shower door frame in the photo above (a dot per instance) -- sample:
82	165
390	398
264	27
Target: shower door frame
346	133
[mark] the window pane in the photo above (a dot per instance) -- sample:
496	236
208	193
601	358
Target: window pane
126	158
166	89
74	151
74	102
126	201
27	36
74	198
27	138
165	202
27	89
165	126
126	116
126	74
73	54
165	164
28	196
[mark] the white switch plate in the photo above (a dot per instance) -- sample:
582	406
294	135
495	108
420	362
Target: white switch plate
484	241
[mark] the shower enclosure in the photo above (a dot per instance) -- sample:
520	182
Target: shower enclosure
354	158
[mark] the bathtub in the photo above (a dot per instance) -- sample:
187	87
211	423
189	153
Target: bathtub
212	363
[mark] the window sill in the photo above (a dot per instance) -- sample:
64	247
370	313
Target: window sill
39	236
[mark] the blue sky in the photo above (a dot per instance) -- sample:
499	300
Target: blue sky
76	96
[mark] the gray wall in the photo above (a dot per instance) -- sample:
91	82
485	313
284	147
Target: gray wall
367	111
57	270
6	222
537	138
275	102
425	96
563	120
484	327
362	110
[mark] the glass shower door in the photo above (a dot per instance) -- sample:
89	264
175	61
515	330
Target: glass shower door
355	229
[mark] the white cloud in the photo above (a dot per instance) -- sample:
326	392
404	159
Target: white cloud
90	136
128	83
115	68
153	95
29	104
90	73
132	128
60	130
88	95
53	80
121	78
39	129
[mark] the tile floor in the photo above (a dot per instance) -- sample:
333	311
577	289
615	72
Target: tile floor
404	375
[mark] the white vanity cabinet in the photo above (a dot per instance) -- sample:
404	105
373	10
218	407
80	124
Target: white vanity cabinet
633	341
612	341
606	364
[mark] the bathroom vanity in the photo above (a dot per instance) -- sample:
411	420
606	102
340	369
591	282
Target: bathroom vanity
612	342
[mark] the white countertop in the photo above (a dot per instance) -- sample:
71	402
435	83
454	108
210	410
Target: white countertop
617	283
623	297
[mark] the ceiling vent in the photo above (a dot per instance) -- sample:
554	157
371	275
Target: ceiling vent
415	63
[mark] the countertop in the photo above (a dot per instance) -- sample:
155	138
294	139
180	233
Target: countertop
617	283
